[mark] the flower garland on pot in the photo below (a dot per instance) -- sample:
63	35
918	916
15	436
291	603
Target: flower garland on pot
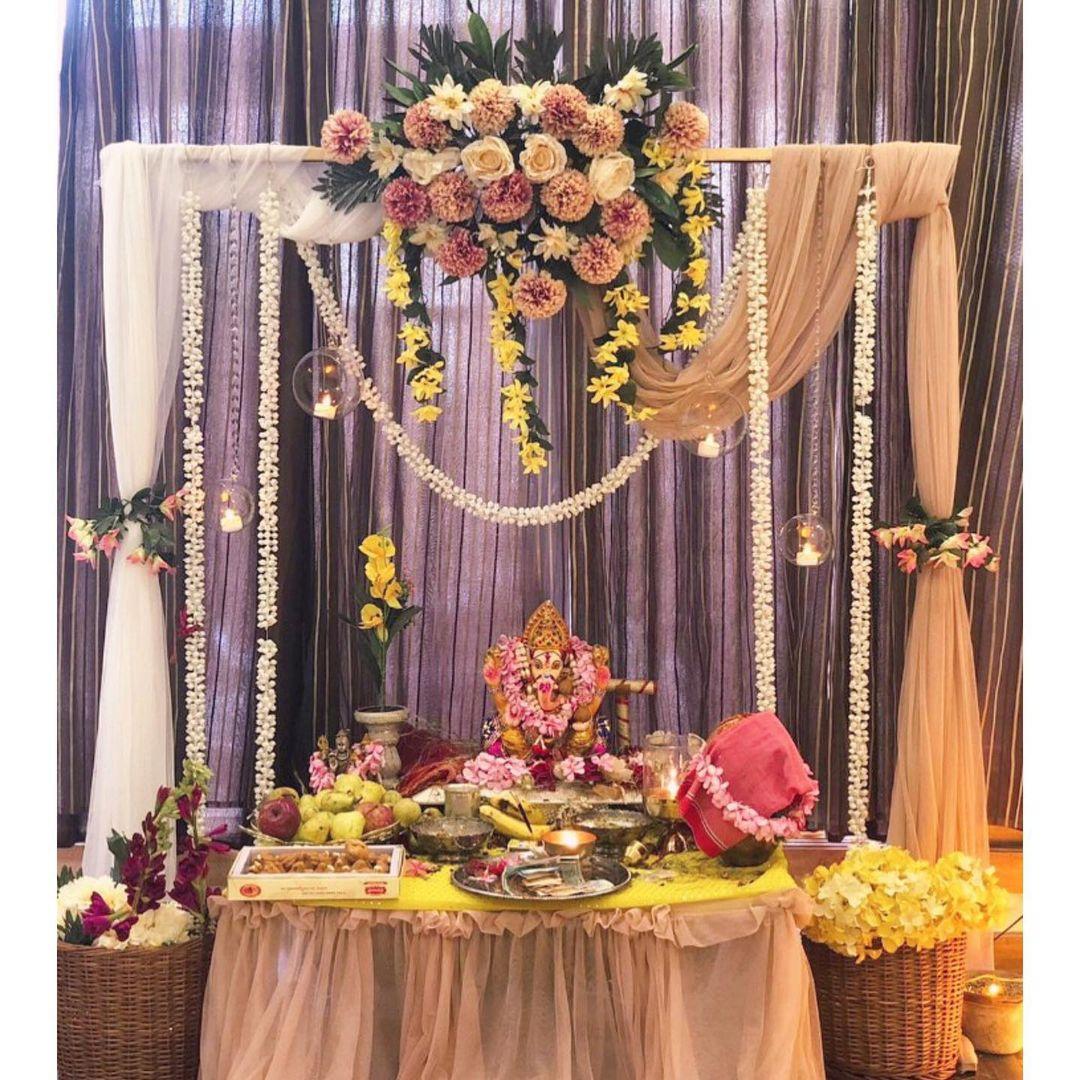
862	505
269	208
191	349
926	542
537	184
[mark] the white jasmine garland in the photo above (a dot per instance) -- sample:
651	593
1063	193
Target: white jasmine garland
267	613
761	505
862	492
191	288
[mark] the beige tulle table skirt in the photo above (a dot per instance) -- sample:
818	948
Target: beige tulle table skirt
709	991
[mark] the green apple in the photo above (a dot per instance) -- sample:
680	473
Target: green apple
316	829
347	826
322	800
391	797
372	792
308	807
432	811
349	785
406	811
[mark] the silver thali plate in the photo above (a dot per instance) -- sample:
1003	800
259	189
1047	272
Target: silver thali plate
602	877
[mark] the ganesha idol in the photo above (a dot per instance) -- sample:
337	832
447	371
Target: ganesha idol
547	686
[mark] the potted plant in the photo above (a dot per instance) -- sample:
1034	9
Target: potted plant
887	945
385	612
132	955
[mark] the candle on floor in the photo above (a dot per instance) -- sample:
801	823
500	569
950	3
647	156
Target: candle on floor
994	1013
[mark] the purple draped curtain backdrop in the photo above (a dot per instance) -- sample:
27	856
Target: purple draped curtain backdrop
660	572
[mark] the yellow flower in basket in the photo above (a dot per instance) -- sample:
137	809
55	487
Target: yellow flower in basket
880	899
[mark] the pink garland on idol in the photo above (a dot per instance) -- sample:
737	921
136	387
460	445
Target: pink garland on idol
743	816
366	760
522	708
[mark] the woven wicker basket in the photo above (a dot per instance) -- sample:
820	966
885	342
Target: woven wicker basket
897	1017
134	1012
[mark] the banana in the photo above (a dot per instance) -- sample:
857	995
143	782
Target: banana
512	808
512	827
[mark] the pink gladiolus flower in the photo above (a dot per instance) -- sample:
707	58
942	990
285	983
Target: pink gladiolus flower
979	553
157	564
944	558
138	555
906	535
907	560
884	537
82	532
87	557
108	542
172	505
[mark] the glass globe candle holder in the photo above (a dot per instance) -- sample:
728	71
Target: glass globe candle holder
806	540
235	506
715	423
323	386
664	759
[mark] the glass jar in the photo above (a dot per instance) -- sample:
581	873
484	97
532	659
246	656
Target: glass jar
664	761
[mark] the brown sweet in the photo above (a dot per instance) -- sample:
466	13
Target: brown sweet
356	858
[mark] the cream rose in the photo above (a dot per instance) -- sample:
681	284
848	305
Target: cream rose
423	165
542	158
610	175
487	159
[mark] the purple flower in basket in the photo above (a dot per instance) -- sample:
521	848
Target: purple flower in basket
99	918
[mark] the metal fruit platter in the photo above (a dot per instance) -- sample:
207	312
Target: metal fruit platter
584	879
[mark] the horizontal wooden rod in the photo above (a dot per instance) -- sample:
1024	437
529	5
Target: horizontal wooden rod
712	153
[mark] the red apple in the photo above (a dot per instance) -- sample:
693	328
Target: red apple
379	817
365	808
279	818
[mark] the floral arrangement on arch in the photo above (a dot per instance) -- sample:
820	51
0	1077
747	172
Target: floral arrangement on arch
135	907
880	899
923	541
103	532
493	163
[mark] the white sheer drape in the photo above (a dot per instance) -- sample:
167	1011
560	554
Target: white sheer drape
140	191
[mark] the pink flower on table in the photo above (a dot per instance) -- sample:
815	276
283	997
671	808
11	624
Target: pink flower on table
494	773
979	553
108	542
172	504
907	560
570	767
613	768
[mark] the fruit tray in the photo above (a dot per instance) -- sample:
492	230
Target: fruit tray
301	886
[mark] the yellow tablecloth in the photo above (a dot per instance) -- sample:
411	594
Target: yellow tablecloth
692	883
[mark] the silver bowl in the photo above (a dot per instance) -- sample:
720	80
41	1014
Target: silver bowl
613	828
449	839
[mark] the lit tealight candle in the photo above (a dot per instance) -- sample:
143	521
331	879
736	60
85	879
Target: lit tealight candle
230	521
994	1014
569	842
807	555
708	447
325	409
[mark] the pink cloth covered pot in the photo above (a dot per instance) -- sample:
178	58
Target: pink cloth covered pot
748	771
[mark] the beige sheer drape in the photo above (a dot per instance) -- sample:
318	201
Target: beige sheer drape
939	789
713	991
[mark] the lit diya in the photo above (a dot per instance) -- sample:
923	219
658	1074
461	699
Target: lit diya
569	842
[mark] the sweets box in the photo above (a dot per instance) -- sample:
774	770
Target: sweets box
349	885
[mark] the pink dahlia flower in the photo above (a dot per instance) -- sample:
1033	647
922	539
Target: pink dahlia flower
453	198
539	296
601	132
405	202
422	129
568	196
492	107
685	128
562	110
626	219
508	198
597	260
346	134
460	256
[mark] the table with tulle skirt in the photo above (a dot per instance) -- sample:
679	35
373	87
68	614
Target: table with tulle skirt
681	975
